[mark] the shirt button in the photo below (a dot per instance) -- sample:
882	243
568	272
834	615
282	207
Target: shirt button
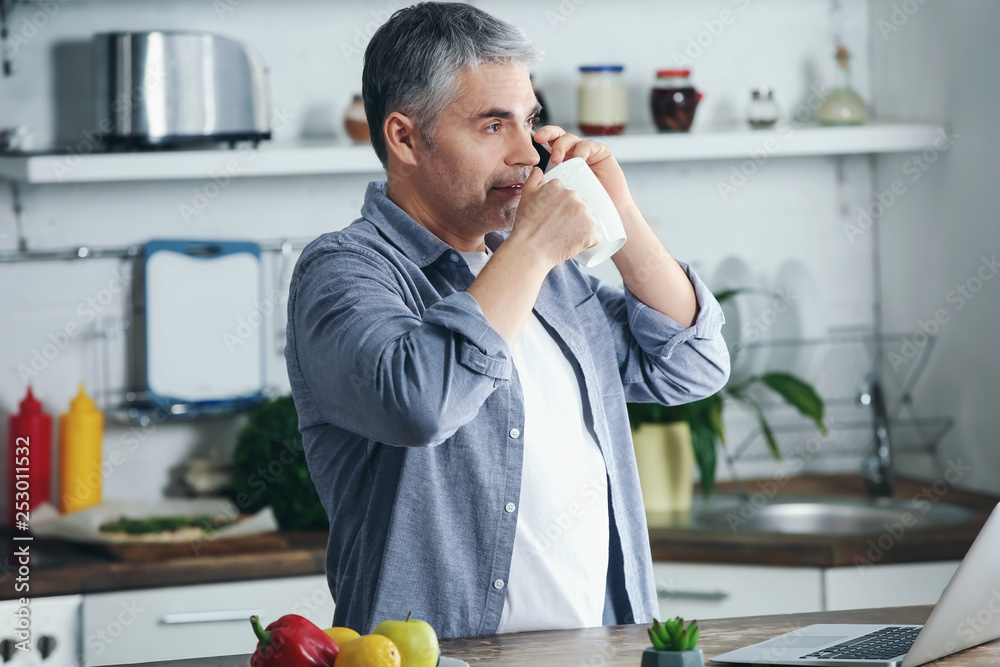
510	507
514	433
453	257
498	584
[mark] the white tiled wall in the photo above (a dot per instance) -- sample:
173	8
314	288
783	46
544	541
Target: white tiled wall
792	208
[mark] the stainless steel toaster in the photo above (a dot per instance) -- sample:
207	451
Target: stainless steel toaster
160	88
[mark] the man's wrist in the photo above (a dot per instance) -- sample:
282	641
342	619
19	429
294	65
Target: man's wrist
529	254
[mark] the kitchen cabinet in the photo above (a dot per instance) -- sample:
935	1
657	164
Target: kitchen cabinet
55	632
897	585
720	591
194	621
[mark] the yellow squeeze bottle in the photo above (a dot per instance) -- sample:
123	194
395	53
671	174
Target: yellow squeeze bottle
80	432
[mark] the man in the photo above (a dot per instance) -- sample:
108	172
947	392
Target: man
460	381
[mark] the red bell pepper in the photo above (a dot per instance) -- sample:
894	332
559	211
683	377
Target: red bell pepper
292	641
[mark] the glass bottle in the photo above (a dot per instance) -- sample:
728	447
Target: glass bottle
842	105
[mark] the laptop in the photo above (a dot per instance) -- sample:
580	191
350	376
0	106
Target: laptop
966	615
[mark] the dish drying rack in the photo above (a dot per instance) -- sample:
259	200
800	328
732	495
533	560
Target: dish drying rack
837	365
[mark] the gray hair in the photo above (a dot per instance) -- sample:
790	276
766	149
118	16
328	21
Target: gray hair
413	60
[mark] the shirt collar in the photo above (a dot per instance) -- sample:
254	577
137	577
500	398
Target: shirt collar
413	239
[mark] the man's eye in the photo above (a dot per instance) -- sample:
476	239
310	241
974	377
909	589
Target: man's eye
534	122
495	127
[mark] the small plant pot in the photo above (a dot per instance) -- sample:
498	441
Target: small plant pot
653	658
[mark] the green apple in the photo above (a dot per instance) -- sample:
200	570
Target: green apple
416	640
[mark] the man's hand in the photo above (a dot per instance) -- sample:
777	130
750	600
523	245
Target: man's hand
599	159
647	269
552	221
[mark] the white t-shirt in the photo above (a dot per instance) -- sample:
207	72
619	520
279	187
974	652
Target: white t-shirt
559	567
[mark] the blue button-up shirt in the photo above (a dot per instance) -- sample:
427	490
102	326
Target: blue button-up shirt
410	410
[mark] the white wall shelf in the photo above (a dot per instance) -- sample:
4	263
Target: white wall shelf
318	159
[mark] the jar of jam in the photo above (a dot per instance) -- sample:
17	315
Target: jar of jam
602	100
674	100
356	122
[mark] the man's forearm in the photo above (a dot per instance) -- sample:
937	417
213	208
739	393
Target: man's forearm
652	274
507	288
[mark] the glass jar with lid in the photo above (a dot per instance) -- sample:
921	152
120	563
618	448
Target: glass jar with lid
763	111
673	100
602	100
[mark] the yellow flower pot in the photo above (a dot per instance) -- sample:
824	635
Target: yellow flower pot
665	458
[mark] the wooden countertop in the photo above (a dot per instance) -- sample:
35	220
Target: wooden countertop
622	645
60	568
64	568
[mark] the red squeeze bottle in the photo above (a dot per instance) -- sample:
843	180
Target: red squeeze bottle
29	459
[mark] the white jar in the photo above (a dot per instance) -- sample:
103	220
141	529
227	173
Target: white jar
602	100
763	111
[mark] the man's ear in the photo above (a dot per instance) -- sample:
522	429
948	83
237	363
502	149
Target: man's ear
402	138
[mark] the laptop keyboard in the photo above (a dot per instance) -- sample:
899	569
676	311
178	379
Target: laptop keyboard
882	644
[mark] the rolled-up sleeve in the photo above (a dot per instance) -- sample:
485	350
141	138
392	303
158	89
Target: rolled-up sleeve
660	360
377	368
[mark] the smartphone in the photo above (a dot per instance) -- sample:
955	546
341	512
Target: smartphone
543	153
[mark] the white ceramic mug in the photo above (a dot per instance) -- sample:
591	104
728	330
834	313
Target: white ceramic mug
576	175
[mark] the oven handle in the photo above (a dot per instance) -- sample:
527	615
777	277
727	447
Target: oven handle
686	594
209	616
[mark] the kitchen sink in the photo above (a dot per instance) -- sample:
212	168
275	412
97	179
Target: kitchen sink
821	516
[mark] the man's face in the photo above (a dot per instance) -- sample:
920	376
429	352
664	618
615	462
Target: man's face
470	182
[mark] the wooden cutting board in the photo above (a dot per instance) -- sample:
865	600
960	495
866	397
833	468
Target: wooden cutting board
144	552
204	313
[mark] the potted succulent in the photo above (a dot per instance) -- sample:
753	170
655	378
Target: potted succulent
675	644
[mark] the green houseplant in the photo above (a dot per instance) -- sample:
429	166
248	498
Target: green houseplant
705	416
675	644
269	467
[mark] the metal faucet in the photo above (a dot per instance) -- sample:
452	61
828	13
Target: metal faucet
877	468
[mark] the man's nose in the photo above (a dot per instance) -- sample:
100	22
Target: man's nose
520	151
